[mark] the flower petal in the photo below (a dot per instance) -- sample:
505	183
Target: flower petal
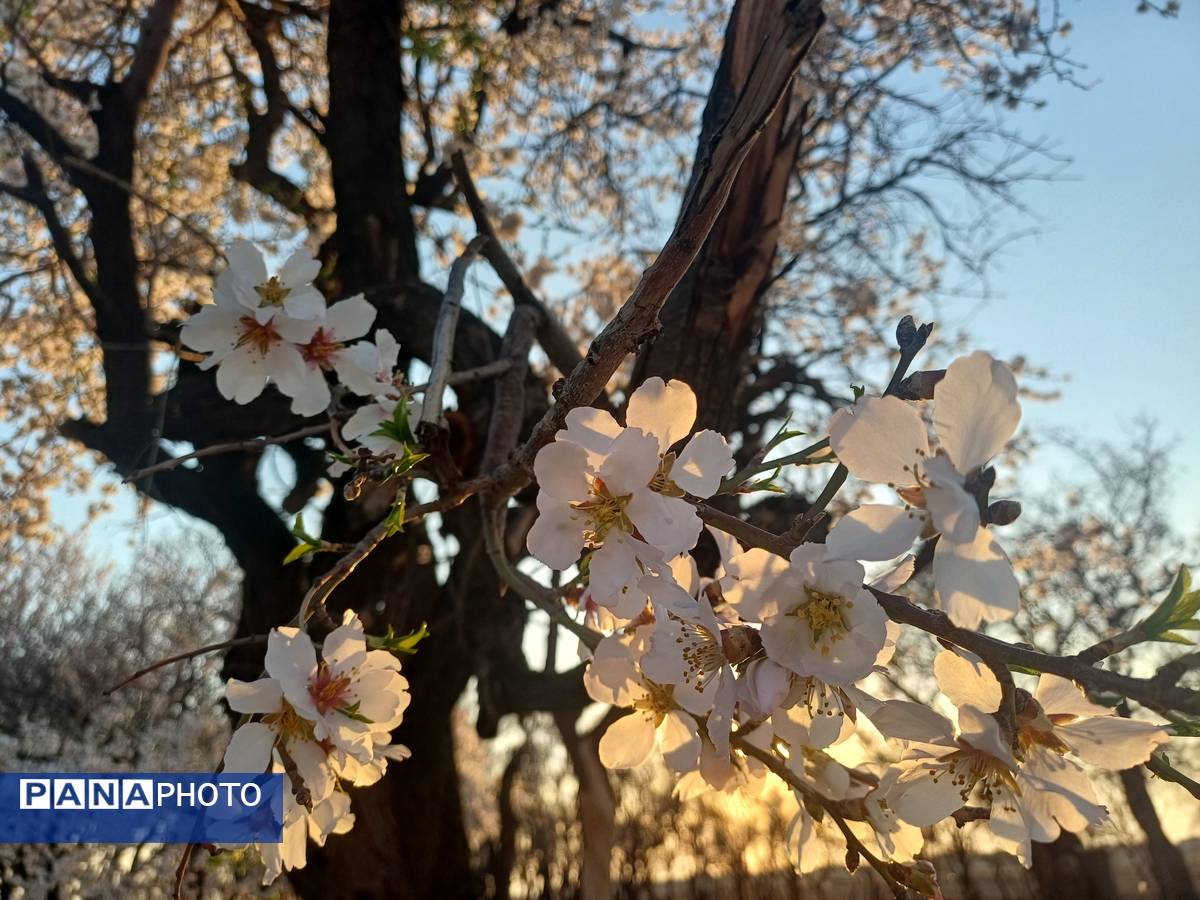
1113	742
291	660
249	749
665	410
561	470
923	799
305	303
757	583
668	523
556	536
313	768
909	721
627	742
1060	696
873	533
703	463
614	574
975	409
593	429
975	582
679	742
254	697
241	376
212	328
879	439
246	262
954	511
350	318
631	463
299	269
966	680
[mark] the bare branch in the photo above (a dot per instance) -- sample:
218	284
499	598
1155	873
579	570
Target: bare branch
150	54
774	65
443	333
188	654
230	447
559	346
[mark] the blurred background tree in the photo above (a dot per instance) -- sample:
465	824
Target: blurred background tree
138	138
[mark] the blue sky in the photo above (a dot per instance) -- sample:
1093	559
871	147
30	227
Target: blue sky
1106	294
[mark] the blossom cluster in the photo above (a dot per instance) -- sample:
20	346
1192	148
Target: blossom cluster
755	669
325	721
277	329
763	658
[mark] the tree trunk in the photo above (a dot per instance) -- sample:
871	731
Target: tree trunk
1170	868
710	320
1067	862
597	805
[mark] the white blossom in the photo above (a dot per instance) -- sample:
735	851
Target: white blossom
246	283
619	490
326	351
687	653
817	618
350	695
884	440
656	719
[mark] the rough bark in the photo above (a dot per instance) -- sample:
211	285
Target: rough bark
710	320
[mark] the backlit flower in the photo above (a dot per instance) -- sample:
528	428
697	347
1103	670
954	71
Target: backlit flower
883	440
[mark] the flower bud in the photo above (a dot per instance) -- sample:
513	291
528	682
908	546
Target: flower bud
1004	512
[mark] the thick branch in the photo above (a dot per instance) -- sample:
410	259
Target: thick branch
150	54
775	63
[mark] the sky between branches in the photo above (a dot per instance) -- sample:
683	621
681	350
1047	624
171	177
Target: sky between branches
1106	293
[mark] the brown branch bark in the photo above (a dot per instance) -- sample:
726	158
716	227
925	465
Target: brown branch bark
711	317
774	61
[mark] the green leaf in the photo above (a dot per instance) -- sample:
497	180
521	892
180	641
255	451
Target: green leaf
397	428
406	462
395	516
783	434
302	549
399	643
1175	611
858	389
1172	638
298	531
1013	667
1185	729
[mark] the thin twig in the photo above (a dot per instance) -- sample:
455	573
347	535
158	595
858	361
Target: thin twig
1159	766
182	869
1149	692
775	63
777	766
546	599
314	601
467	376
444	330
910	339
560	348
189	654
82	165
229	447
806	457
